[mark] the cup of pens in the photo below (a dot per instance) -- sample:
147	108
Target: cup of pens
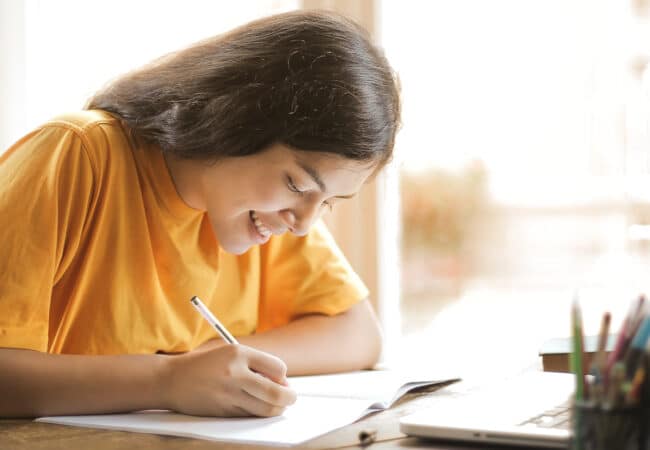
611	409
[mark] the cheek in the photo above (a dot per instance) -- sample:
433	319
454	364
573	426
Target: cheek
271	199
257	197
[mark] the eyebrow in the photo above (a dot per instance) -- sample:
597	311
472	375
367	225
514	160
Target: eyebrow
313	173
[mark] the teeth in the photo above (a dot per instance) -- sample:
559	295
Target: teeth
260	225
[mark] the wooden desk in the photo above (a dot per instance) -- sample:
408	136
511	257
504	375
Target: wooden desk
28	435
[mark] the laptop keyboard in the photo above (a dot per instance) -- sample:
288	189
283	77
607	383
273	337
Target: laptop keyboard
557	417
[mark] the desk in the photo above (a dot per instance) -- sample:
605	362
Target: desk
28	435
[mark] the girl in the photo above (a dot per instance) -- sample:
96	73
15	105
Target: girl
203	173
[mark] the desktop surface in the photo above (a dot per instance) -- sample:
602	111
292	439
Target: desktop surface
29	435
384	427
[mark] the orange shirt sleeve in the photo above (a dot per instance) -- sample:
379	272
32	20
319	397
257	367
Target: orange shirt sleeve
304	275
46	191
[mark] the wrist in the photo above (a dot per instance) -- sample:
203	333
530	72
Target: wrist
211	344
163	380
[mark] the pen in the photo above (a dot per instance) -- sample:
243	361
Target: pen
212	320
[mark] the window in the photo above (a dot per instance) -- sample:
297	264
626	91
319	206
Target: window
524	161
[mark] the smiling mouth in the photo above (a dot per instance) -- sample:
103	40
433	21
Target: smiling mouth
259	225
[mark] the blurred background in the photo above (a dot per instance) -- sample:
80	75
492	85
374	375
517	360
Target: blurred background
524	163
521	173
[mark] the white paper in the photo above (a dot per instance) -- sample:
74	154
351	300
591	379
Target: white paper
308	418
324	403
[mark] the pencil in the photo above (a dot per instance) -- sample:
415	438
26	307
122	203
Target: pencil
212	320
576	354
576	368
632	396
599	363
623	333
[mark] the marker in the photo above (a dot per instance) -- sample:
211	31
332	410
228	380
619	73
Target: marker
212	320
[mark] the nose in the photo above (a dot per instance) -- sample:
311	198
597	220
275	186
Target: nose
299	221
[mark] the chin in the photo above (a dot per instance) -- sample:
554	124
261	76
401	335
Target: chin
235	249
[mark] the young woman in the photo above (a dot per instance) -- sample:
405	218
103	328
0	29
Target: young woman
203	173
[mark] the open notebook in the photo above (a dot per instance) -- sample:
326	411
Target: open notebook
334	400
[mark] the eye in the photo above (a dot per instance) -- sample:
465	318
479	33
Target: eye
292	186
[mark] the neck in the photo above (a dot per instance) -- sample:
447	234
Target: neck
186	175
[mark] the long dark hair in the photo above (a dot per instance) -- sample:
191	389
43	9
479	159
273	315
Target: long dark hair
311	80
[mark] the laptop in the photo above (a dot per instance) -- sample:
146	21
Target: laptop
529	409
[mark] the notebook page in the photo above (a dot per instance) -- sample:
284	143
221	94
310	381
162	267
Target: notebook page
308	418
381	388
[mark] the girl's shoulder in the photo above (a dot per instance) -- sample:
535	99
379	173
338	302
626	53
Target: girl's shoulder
83	120
89	125
102	135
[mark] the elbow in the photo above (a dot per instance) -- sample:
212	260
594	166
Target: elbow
369	336
374	345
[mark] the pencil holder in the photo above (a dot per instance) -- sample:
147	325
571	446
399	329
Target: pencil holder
597	427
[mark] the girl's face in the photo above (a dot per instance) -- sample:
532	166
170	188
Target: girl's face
250	198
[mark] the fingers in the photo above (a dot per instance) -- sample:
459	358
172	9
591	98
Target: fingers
236	411
265	390
256	407
232	380
268	391
268	365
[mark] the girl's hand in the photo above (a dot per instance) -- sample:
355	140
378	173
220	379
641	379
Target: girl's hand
226	381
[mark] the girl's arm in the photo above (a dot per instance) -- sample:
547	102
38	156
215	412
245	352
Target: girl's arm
318	343
225	381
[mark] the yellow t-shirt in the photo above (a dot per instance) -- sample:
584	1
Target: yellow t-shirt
101	256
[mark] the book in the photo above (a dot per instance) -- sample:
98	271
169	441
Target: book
555	352
334	400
